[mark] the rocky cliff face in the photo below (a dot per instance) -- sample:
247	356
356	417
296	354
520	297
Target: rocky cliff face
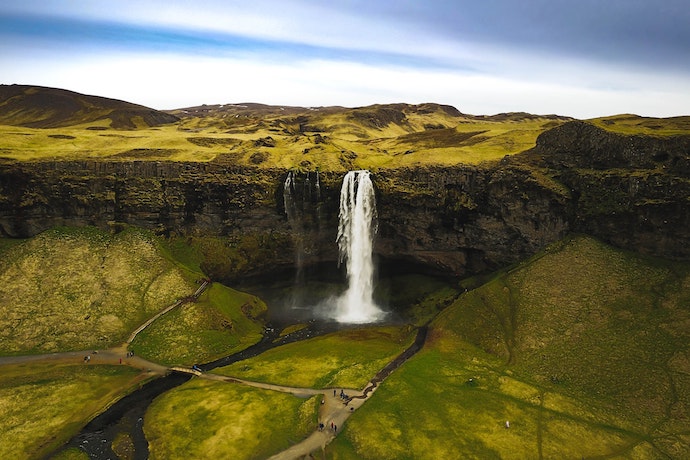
632	192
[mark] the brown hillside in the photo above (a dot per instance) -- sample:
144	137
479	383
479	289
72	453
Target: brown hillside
41	107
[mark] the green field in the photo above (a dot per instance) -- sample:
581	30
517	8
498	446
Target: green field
43	405
205	419
345	359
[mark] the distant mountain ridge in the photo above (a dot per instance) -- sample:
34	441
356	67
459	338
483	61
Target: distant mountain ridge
42	107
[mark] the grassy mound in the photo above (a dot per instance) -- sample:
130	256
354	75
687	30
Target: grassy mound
347	358
634	124
220	323
584	351
204	419
75	289
41	107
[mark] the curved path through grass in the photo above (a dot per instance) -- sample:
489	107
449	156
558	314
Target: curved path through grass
334	409
114	355
333	412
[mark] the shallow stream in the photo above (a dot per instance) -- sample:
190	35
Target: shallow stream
126	416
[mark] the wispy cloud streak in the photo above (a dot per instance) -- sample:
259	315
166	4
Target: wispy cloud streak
624	55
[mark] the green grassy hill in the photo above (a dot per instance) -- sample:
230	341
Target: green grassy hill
634	124
41	107
585	350
39	123
78	289
84	289
70	289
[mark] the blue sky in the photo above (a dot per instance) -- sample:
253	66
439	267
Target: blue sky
582	58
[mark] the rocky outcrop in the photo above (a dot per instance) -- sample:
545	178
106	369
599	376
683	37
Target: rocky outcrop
167	197
579	144
468	219
629	191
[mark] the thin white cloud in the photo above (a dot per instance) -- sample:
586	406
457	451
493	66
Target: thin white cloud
167	81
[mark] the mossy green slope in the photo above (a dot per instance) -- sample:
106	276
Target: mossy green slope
634	124
75	289
332	139
348	358
584	350
42	406
221	322
205	419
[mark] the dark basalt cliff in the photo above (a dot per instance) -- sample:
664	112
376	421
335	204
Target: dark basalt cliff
630	191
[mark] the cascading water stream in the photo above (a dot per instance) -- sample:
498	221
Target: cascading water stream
356	230
295	220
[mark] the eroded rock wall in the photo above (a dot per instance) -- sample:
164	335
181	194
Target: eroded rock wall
630	191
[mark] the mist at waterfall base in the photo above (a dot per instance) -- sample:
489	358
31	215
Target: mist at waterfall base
319	299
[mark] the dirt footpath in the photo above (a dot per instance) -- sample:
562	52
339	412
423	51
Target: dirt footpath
116	355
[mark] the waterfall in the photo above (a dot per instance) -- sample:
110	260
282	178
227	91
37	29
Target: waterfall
356	230
288	197
295	220
318	187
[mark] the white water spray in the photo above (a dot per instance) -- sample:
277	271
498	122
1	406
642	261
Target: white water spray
356	230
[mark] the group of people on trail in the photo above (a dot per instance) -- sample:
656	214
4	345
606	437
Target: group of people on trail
334	427
87	358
